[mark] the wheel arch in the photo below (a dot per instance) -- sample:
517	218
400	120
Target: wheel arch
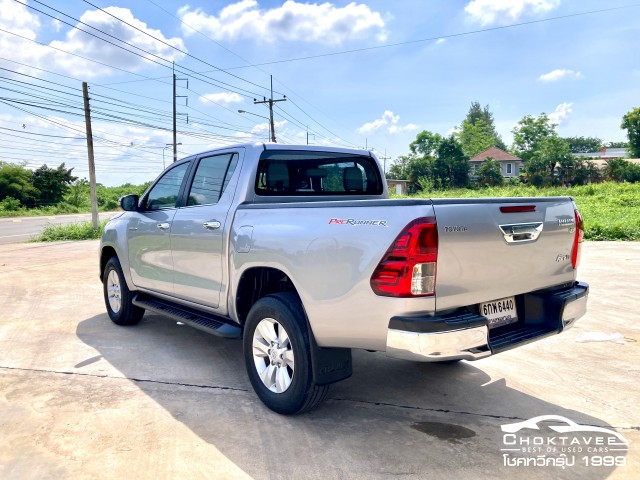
258	282
106	253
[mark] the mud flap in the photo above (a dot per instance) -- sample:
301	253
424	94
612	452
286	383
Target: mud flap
329	365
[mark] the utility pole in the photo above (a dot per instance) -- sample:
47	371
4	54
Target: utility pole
92	165
271	101
384	160
175	133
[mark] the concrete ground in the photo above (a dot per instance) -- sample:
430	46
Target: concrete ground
83	398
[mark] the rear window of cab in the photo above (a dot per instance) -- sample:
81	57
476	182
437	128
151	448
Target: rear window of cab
299	173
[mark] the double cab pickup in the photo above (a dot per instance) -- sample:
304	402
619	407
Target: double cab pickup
300	251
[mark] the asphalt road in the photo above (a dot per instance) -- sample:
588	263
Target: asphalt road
21	229
83	398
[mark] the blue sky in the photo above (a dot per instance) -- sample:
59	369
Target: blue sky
409	66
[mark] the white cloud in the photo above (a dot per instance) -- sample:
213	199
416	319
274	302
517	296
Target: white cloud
561	113
263	128
440	41
16	18
56	24
223	98
559	74
388	122
91	47
488	12
291	22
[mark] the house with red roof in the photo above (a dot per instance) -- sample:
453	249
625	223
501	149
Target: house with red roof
510	165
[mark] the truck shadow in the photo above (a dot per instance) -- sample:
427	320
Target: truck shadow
391	418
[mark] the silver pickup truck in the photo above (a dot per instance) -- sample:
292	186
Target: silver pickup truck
300	251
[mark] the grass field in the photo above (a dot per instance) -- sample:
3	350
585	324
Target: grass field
611	211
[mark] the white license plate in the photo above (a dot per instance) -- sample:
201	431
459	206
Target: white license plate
500	312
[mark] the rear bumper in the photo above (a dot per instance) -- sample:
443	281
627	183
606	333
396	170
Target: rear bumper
465	335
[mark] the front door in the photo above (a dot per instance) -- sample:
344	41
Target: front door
149	231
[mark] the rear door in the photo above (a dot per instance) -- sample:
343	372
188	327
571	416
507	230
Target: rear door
495	248
199	229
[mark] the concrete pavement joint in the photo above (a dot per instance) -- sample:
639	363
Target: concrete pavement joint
436	410
137	380
235	389
444	410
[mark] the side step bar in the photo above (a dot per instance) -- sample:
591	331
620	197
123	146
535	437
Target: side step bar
204	321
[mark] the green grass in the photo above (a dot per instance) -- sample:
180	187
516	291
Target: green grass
72	231
611	211
44	211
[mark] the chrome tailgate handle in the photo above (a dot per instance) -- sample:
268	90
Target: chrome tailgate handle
213	225
163	226
521	232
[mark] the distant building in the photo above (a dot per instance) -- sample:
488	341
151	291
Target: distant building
510	165
605	153
399	187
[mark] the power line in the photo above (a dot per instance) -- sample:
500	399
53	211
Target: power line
249	64
430	39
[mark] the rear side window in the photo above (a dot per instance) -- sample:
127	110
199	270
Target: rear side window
298	173
211	178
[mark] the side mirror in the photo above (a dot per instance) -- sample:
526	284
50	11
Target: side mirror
129	203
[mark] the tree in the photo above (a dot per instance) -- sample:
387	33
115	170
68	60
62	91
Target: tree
529	133
426	143
552	152
616	145
584	144
52	183
16	182
477	131
434	162
398	168
475	138
451	165
489	173
631	123
621	170
586	171
79	192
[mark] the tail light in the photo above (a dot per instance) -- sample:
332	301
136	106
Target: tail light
408	268
577	240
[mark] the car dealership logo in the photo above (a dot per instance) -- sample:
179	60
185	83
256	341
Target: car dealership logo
556	441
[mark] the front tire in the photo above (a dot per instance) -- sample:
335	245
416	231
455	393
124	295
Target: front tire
117	296
277	355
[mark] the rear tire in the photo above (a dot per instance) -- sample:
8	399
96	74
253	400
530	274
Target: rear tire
278	356
117	296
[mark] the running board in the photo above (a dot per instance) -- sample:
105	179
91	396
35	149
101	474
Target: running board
204	321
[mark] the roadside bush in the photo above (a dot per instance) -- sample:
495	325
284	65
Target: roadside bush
10	204
72	231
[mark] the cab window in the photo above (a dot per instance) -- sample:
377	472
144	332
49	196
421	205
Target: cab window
300	173
164	193
211	178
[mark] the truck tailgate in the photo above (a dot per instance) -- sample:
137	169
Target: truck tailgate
494	248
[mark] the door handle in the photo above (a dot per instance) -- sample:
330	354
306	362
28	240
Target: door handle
163	226
213	225
521	232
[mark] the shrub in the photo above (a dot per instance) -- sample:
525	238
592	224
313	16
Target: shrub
71	231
